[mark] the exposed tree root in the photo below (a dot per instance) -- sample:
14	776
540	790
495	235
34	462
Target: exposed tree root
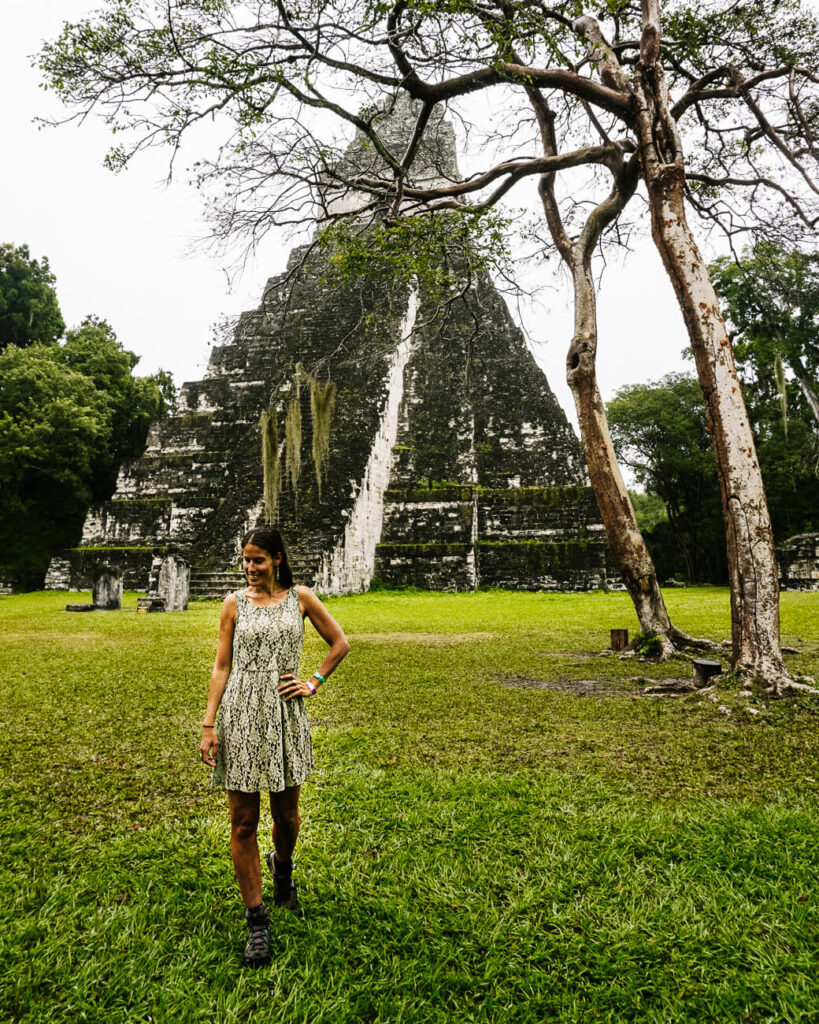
672	686
683	640
785	684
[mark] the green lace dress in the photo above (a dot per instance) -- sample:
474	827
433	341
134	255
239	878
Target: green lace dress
264	741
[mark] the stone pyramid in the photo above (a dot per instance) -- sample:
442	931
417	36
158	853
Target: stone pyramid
450	464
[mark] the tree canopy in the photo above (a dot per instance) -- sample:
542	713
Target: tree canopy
660	433
290	85
771	301
29	311
53	424
71	411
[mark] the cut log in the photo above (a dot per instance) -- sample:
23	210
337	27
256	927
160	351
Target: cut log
619	639
703	670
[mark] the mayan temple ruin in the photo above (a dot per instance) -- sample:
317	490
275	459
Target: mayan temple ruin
440	457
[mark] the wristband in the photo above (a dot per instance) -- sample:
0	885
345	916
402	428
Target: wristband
320	677
310	687
208	726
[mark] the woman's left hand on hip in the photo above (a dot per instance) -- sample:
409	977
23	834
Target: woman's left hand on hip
291	686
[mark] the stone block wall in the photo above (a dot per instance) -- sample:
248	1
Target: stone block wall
798	561
74	568
459	538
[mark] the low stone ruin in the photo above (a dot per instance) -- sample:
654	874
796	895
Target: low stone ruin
171	578
798	561
107	591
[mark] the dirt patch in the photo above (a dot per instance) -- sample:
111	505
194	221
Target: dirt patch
420	638
579	687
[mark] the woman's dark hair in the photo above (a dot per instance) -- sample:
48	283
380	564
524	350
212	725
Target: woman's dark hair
270	540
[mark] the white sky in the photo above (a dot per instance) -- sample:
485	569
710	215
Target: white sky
120	245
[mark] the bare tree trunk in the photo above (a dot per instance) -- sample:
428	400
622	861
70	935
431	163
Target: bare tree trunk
616	510
806	385
752	567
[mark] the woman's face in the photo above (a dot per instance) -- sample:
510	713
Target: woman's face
259	565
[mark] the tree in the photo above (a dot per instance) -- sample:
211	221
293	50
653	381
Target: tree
69	415
29	311
745	98
93	350
53	422
660	433
771	302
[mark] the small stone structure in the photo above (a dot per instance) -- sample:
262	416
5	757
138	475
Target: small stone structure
107	591
151	603
450	463
171	580
798	561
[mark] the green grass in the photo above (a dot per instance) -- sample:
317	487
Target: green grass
471	850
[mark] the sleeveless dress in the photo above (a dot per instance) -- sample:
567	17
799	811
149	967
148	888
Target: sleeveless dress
264	741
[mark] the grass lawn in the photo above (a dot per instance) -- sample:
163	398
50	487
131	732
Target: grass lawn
499	828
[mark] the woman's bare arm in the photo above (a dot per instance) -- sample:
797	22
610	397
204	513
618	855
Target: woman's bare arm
329	630
219	678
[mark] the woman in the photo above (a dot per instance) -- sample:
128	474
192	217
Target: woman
262	740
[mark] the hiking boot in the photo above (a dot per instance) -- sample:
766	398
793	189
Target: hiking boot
257	950
284	888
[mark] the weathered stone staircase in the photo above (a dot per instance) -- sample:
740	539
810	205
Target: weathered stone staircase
212	586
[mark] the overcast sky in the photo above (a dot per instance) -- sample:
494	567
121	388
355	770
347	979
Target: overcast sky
123	246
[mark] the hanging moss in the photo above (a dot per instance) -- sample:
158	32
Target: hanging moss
322	404
271	465
292	441
782	391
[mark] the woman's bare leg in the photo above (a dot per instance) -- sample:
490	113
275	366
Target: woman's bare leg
244	822
284	807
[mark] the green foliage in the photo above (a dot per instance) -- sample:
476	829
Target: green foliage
29	312
659	432
471	850
53	424
649	508
647	645
322	405
69	415
439	251
271	464
292	442
771	302
133	402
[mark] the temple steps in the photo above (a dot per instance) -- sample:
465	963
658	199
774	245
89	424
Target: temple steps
213	586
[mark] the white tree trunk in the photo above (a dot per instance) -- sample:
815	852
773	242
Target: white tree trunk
616	510
752	564
806	385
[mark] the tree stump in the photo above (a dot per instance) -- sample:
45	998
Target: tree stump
703	670
619	639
